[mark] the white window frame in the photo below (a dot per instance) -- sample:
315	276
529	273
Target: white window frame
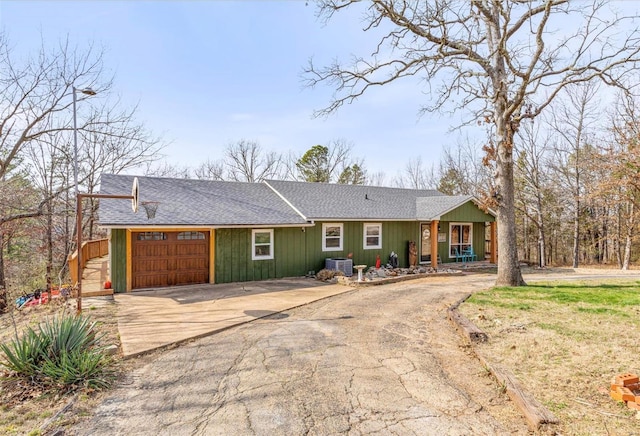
450	239
324	236
253	244
364	236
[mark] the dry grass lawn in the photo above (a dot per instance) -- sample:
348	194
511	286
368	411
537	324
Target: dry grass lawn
565	341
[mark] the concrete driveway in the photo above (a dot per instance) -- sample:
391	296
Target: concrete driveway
152	319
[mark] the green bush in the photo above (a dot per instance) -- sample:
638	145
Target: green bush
24	356
63	351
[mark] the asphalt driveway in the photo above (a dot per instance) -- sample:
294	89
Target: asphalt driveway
378	360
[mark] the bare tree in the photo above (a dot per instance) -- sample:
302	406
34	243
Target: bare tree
379	178
501	60
416	176
622	162
166	169
119	145
210	170
37	106
533	182
572	120
37	95
462	171
36	136
247	162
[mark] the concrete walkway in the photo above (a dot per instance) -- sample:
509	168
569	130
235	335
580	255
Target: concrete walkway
153	319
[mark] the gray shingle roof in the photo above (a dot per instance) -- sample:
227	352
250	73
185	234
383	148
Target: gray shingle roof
430	208
318	201
194	202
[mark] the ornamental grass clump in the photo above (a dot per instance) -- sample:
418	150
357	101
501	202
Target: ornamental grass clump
63	351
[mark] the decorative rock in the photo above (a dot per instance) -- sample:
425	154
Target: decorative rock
110	350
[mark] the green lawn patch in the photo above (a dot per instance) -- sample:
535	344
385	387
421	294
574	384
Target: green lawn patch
613	299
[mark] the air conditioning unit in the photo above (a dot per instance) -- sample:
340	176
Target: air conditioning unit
340	264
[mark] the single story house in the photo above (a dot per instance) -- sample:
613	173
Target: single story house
218	231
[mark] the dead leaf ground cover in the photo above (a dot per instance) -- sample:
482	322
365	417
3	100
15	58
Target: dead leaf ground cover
24	408
565	341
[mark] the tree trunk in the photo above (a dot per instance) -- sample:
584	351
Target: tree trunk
49	246
628	238
576	233
3	284
616	240
527	249
541	236
606	257
541	247
509	273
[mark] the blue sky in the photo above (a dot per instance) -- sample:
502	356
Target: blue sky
206	73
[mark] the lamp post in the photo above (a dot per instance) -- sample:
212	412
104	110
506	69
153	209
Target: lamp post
86	91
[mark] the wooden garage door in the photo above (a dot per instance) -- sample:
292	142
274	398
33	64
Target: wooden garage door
169	258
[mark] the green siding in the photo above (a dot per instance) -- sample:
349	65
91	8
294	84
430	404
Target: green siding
478	239
233	258
119	260
467	213
296	251
290	254
395	237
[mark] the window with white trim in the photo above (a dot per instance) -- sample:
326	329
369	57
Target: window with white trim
372	236
261	244
460	238
332	236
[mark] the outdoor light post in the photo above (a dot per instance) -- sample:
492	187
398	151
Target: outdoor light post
86	91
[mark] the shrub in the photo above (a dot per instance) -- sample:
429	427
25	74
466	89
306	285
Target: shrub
63	351
23	356
78	367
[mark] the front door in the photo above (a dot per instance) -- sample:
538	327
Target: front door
425	242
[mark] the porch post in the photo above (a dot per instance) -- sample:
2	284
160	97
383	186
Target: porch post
434	244
494	242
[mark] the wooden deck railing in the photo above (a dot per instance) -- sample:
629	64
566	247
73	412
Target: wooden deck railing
90	250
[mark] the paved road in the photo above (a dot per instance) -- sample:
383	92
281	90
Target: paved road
379	360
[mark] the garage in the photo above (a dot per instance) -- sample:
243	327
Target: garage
162	259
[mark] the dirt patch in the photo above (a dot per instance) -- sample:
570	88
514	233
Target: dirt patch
565	353
23	407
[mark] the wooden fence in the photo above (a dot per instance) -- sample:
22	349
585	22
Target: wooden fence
90	250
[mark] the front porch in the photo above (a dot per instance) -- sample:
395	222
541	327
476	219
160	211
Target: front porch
450	243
